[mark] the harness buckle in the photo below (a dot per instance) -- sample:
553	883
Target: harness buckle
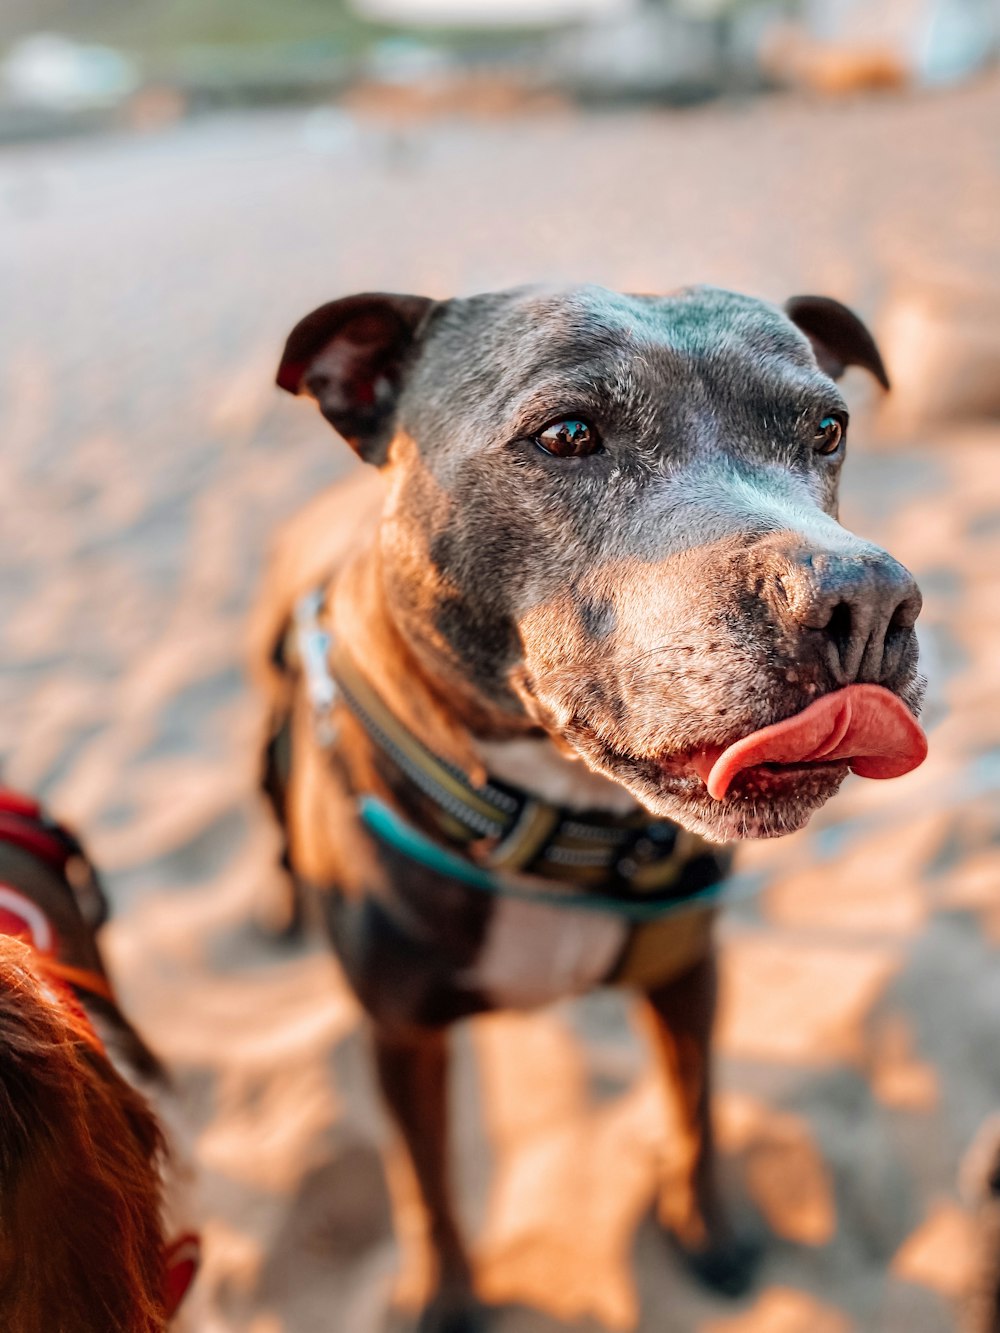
647	846
313	643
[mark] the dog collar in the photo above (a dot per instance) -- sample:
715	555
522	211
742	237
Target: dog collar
494	836
24	824
391	828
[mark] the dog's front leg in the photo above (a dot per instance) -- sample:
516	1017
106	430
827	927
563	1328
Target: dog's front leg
413	1074
683	1014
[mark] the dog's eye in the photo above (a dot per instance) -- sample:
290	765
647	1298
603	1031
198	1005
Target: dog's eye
569	439
829	436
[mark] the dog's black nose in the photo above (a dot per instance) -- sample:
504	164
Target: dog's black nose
857	610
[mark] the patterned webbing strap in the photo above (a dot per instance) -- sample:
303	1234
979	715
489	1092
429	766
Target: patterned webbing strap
513	831
24	824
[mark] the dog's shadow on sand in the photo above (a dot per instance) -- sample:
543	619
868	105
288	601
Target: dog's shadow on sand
507	1318
334	1262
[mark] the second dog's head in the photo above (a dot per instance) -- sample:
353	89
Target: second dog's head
615	517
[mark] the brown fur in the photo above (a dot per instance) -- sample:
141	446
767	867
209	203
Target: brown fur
81	1248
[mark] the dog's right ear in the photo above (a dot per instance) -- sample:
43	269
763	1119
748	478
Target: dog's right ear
350	355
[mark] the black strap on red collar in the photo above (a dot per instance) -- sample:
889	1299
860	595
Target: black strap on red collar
24	824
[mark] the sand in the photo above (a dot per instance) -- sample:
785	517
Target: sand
148	284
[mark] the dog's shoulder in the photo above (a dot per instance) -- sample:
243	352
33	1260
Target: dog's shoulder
308	550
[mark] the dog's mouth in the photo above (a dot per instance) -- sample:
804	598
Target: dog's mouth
768	782
865	727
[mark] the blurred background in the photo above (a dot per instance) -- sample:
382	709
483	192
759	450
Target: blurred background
181	180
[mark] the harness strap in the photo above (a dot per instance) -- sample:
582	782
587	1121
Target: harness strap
486	812
644	863
391	828
22	919
24	824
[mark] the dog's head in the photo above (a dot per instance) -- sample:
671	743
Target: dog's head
617	517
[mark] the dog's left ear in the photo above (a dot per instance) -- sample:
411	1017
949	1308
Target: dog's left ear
350	355
838	337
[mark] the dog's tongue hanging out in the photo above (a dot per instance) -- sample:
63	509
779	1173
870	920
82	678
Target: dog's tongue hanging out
864	726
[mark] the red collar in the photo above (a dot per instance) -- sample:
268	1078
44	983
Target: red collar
23	824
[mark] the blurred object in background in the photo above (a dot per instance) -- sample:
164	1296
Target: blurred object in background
941	327
50	82
67	67
490	13
48	70
407	80
843	46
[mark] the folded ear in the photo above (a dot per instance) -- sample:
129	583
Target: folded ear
838	337
351	356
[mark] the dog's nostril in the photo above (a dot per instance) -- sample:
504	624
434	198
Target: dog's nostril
898	633
840	626
905	615
899	624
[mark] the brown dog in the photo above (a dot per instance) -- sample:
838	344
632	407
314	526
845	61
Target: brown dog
87	1233
593	607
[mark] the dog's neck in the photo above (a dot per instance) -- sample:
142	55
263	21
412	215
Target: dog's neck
444	715
452	723
536	765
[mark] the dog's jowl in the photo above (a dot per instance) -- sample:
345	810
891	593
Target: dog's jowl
590	615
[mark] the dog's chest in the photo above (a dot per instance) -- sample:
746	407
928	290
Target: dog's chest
531	952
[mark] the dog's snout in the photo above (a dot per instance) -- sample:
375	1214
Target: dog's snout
857	611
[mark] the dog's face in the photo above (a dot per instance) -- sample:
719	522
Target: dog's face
616	517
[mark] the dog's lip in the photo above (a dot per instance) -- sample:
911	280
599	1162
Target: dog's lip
773	778
864	727
701	764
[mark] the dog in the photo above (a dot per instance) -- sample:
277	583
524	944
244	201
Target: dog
589	617
89	1192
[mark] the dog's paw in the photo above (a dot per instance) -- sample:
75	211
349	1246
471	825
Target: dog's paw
446	1315
979	1181
979	1173
727	1266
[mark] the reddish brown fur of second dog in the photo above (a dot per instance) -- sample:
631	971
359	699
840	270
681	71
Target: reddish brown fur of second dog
80	1233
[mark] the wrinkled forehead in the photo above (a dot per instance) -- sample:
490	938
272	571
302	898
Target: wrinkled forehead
514	354
697	325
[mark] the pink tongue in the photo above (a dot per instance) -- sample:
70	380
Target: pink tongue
865	725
